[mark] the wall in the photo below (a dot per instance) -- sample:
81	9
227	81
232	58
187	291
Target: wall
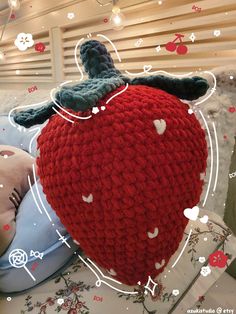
147	20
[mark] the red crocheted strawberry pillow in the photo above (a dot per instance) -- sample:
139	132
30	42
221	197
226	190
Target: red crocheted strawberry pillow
120	180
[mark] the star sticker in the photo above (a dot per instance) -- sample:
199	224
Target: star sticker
95	110
158	48
152	290
192	37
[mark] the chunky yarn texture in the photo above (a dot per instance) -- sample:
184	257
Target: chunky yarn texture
103	79
121	180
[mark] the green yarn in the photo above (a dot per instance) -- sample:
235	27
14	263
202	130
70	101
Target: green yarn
185	88
103	79
31	117
84	96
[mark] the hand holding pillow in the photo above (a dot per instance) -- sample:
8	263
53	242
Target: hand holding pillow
15	167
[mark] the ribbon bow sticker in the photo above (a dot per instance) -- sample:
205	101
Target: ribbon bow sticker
36	254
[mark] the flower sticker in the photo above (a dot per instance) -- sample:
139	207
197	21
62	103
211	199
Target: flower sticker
40	47
218	259
24	41
205	271
217	32
71	15
202	259
175	292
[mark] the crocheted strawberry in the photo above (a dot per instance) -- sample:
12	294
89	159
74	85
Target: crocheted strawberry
120	180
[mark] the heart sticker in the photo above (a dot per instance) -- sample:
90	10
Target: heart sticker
154	234
204	219
160	126
147	68
191	213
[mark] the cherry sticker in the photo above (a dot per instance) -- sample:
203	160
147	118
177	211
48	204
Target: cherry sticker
181	49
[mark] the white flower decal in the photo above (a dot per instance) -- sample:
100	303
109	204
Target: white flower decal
205	271
202	259
175	292
24	41
71	16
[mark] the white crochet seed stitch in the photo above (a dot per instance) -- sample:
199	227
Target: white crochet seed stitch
158	265
154	234
112	272
160	126
88	199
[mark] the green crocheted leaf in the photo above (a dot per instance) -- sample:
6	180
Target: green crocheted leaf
185	88
85	95
103	79
79	97
32	117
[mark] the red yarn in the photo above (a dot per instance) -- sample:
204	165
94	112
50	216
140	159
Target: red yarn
139	180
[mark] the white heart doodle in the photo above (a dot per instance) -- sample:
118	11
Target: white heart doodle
160	126
204	219
147	68
88	199
191	213
154	234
